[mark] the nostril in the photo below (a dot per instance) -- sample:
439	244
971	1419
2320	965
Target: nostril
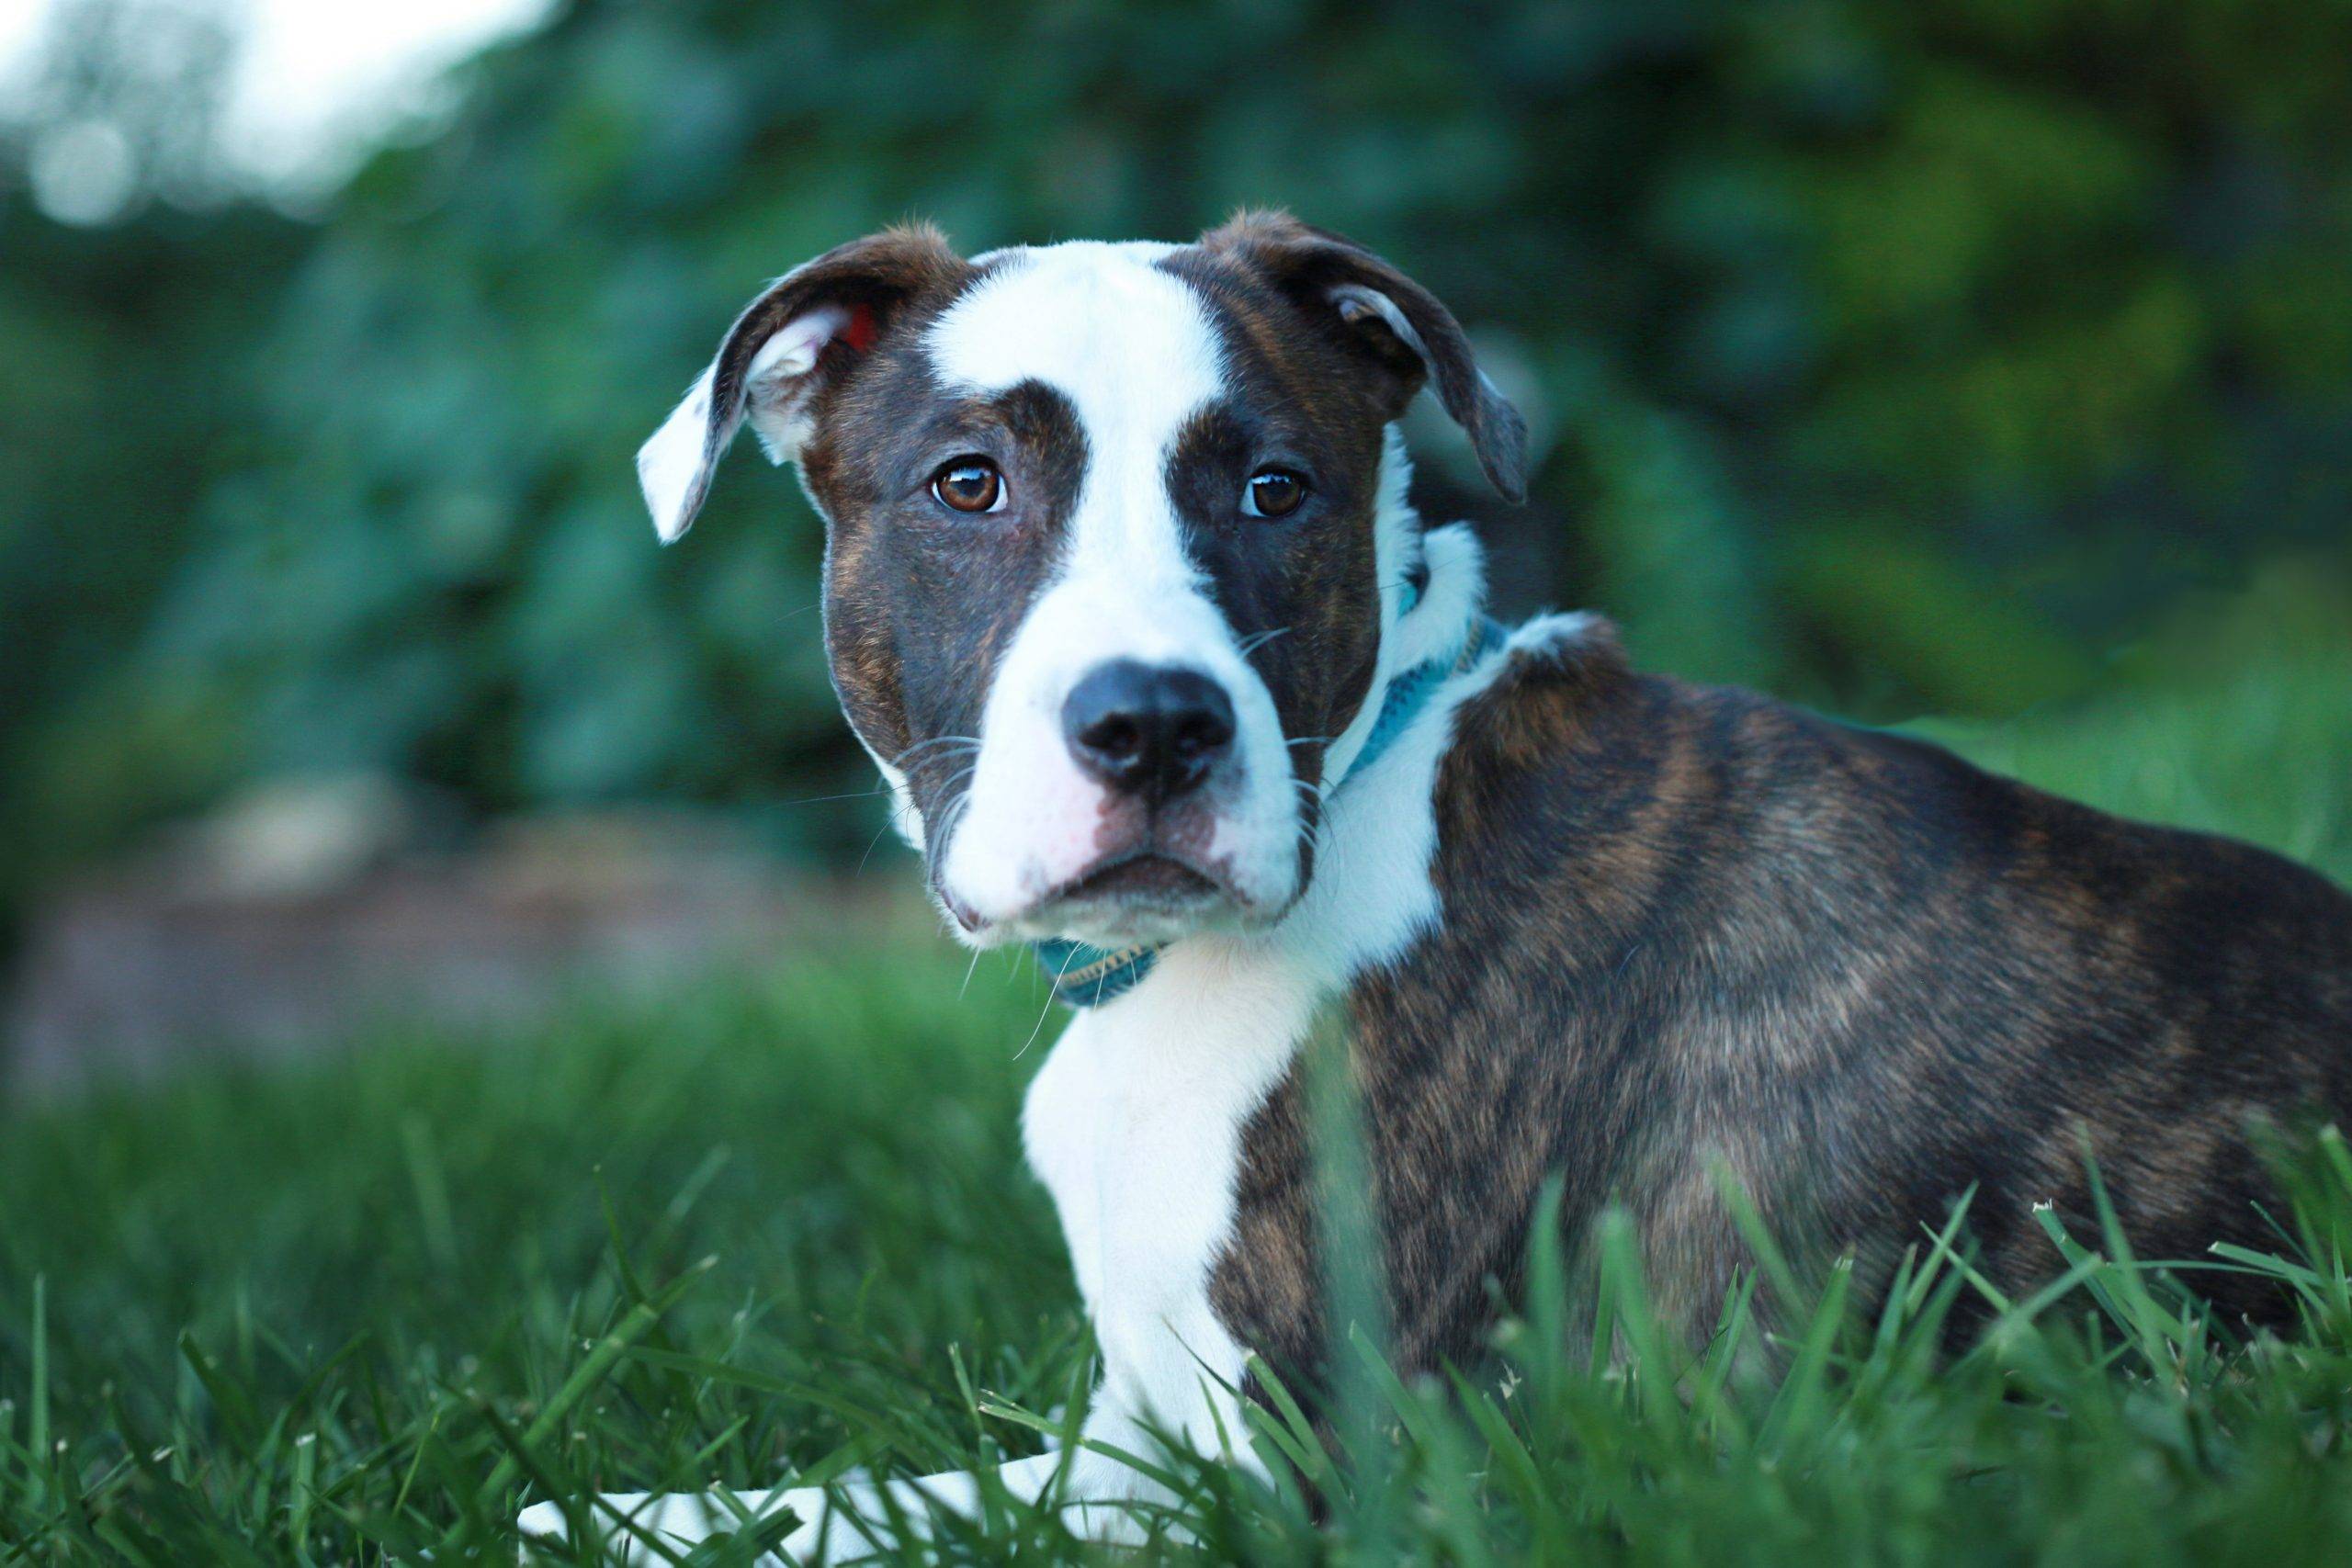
1200	730
1113	735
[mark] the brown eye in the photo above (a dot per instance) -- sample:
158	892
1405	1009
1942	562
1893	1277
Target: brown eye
1273	492
969	484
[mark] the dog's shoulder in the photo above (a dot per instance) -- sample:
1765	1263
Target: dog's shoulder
1564	738
1552	675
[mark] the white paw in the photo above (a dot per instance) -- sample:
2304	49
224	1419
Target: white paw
547	1524
678	1522
540	1521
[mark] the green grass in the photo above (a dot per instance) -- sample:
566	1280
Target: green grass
355	1313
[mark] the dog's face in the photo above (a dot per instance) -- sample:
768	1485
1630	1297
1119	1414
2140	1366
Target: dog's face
1105	582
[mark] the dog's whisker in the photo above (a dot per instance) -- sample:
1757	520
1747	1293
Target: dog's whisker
950	817
937	746
1252	645
852	795
879	834
1052	994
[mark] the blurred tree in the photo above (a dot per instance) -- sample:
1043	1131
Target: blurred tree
127	381
1900	356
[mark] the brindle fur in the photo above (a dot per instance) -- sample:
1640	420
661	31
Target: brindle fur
1689	929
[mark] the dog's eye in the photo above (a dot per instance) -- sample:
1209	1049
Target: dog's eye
1273	492
969	484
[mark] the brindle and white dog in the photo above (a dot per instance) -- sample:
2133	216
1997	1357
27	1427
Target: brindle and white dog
1124	595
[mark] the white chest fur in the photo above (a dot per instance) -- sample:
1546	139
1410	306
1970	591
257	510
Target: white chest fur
1135	1126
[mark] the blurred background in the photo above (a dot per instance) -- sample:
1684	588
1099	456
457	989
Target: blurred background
1983	362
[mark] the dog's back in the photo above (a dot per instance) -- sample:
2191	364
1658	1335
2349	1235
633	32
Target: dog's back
1692	934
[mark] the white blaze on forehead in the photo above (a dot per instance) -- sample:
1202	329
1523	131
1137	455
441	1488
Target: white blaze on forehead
1132	348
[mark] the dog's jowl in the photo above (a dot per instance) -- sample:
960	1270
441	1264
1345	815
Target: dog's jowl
1123	594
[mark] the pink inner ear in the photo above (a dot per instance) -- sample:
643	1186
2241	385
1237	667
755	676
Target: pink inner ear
859	333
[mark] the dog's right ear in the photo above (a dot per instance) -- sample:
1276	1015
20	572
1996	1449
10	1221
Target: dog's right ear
811	325
1407	334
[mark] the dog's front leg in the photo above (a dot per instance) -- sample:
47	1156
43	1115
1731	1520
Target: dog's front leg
1093	1491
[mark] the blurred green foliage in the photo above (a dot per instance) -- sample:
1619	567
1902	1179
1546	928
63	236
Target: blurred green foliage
125	374
1903	357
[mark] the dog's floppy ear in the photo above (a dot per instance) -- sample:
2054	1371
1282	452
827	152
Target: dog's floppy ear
811	325
1398	324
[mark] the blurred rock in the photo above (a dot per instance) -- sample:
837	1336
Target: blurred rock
306	916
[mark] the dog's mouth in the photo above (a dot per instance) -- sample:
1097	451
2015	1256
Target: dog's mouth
1147	879
1147	893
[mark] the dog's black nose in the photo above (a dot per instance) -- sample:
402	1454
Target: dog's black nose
1144	729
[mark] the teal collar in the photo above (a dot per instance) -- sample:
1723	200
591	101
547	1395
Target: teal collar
1084	975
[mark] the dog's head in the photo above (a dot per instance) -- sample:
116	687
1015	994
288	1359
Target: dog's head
1114	536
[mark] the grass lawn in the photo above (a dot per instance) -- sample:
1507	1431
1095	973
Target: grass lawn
358	1312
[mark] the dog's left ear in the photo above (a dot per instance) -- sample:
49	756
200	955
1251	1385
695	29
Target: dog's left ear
1407	334
810	327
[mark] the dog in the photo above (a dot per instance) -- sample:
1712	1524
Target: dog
1123	594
